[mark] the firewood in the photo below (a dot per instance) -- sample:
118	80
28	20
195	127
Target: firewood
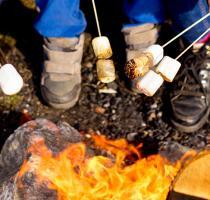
194	178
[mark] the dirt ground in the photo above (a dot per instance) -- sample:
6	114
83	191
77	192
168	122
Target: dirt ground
119	115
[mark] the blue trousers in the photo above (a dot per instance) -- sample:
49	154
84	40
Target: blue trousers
63	18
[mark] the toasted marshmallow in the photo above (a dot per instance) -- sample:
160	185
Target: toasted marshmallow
168	68
10	80
102	47
139	66
157	53
149	83
105	70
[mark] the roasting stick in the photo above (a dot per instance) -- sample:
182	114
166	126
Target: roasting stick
185	30
139	66
166	70
192	44
103	51
96	17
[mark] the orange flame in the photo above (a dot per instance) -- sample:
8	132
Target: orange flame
75	176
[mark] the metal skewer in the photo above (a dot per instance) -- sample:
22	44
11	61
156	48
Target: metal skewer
96	17
187	29
204	33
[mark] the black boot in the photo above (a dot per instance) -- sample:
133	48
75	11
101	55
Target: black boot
190	101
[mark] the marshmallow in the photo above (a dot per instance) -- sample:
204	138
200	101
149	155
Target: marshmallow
168	68
150	83
10	81
102	47
139	66
157	53
105	71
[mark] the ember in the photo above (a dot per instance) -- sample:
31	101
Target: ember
74	174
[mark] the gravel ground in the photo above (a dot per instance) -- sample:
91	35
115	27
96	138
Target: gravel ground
119	115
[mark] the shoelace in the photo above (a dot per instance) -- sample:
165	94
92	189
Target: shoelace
190	79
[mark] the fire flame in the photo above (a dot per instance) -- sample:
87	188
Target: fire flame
75	175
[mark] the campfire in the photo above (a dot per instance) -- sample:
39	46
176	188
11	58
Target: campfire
55	162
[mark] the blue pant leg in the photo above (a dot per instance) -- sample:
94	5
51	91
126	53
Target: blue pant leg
185	12
60	18
144	11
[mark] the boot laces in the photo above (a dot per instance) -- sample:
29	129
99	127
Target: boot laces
194	79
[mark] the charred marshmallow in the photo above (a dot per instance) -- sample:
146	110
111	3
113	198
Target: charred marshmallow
168	68
102	47
140	65
105	70
150	83
10	80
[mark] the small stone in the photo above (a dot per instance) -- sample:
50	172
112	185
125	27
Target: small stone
154	106
143	124
152	117
100	110
88	136
107	105
112	85
113	111
107	91
160	114
90	77
131	136
114	117
88	64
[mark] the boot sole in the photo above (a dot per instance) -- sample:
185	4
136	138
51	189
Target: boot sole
194	127
62	106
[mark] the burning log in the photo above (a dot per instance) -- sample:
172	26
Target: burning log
14	151
42	160
193	181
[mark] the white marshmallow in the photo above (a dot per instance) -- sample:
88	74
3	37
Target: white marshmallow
10	81
168	68
149	83
105	70
102	47
157	53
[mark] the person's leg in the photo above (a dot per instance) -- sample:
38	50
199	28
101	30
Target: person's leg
61	18
190	102
141	12
61	23
140	30
184	13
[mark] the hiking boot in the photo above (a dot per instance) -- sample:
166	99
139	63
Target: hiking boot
190	101
137	39
61	76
